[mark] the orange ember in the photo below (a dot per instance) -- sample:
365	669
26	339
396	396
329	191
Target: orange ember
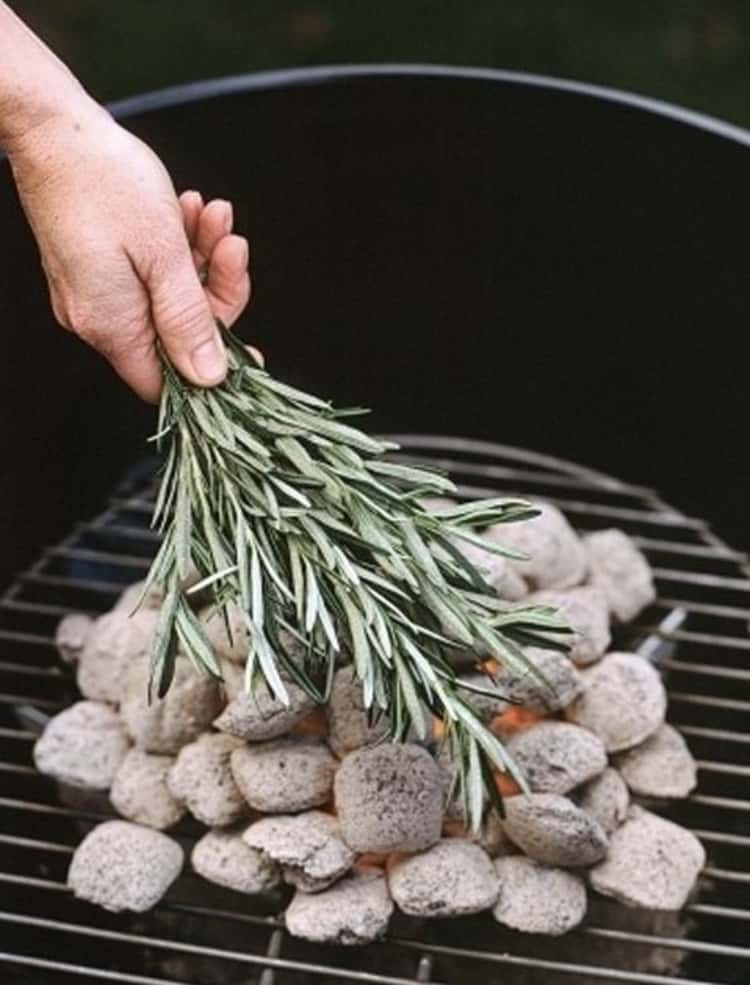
506	785
314	724
514	718
372	860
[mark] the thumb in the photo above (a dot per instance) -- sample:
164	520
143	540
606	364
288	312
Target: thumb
184	323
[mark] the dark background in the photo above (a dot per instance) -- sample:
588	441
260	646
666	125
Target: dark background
693	52
467	257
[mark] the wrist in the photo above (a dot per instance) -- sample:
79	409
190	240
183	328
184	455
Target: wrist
23	115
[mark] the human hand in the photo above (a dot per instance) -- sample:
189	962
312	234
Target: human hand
122	254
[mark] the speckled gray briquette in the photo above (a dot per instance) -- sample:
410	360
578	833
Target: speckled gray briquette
556	555
83	746
623	701
496	570
259	716
556	684
117	640
124	866
537	898
389	798
222	857
284	775
555	757
662	766
553	830
651	863
348	724
354	910
586	611
606	799
621	571
201	779
140	793
308	846
71	635
167	724
453	878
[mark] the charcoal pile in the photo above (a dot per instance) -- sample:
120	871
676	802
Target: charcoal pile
358	827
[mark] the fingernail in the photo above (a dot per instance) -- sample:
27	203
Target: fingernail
228	216
209	361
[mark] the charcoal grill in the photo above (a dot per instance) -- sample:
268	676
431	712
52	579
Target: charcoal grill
696	633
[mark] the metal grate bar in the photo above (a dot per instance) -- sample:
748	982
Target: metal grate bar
711	639
713	733
90	972
593	971
241	957
41	608
10	667
704	947
704	580
85	584
709	701
27	805
729	768
704	608
121	530
600	510
728	875
98	557
14	636
719	552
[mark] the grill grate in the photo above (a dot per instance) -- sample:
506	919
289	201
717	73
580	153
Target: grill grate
696	633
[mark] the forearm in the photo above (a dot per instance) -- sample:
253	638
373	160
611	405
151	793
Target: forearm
34	84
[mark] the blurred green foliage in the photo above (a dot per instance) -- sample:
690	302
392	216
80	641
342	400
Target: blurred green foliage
693	52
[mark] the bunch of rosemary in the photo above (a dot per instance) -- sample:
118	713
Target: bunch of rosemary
300	520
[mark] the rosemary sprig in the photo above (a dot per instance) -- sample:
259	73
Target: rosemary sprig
300	520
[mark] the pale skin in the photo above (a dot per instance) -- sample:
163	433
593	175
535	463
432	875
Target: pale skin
127	261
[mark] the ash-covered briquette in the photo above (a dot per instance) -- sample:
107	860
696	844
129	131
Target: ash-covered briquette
586	611
348	722
537	898
662	766
71	634
606	799
555	685
226	630
117	640
137	597
140	792
556	757
165	724
553	830
623	701
124	866
621	571
286	775
354	910
453	878
83	746
201	779
260	716
222	857
389	798
487	706
496	570
651	863
557	558
308	846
